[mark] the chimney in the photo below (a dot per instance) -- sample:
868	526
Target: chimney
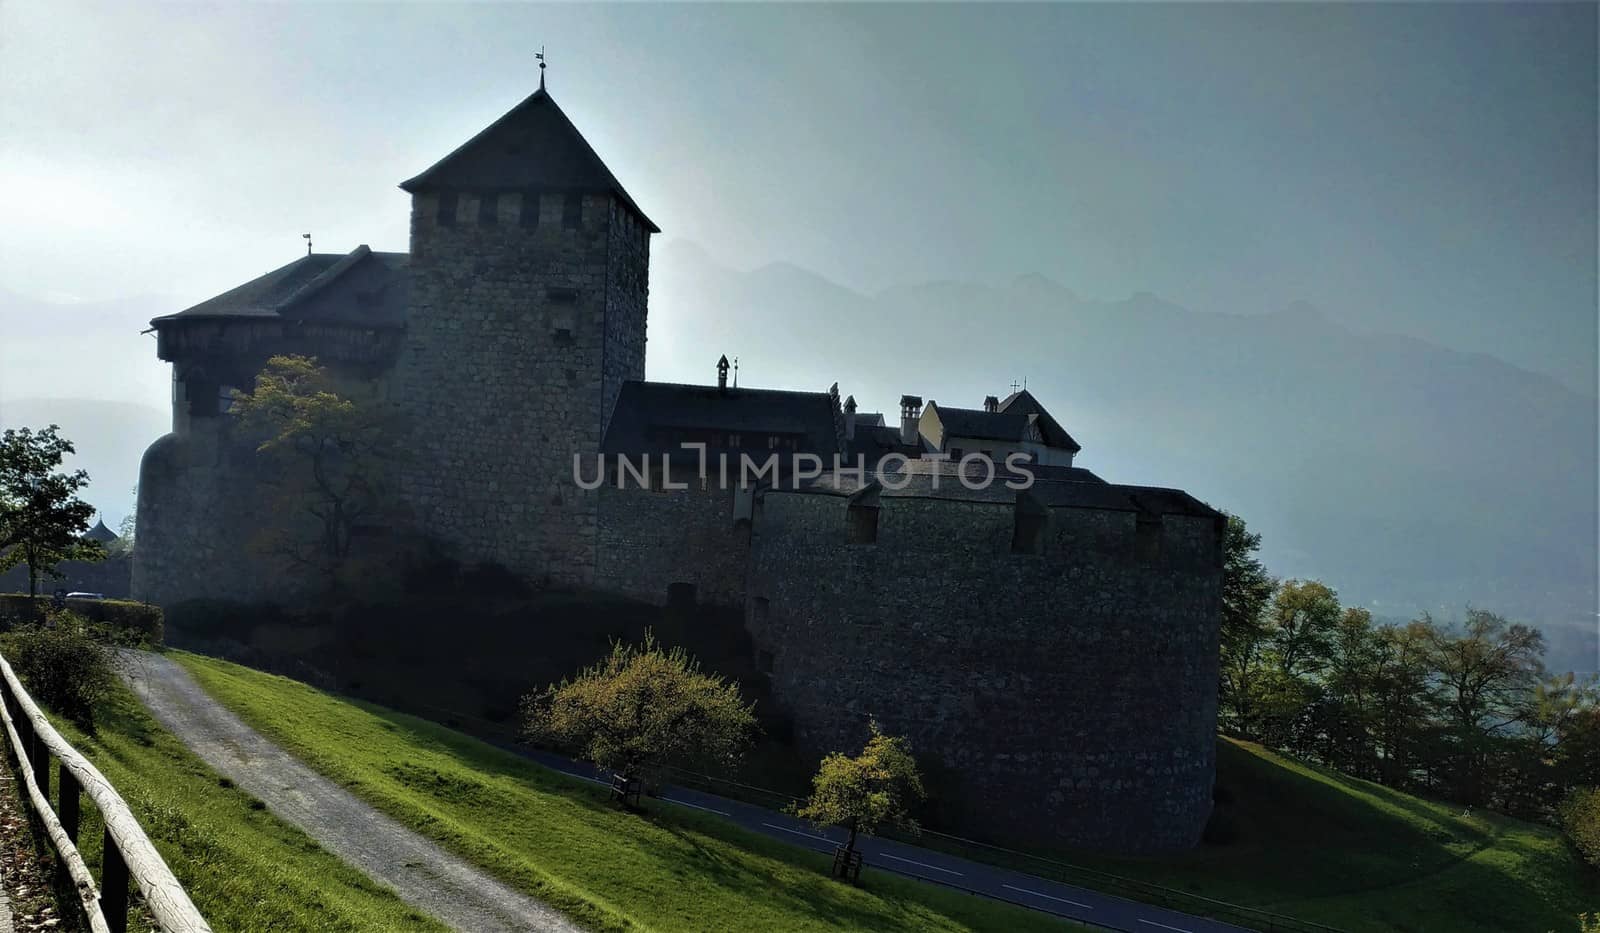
910	413
991	404
850	418
722	374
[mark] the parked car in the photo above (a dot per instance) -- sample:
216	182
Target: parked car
86	596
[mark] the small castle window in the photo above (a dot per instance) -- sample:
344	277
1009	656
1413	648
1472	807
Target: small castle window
572	211
488	210
763	606
529	215
764	662
1027	533
863	524
1147	538
447	209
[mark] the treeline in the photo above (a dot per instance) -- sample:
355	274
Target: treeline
1464	710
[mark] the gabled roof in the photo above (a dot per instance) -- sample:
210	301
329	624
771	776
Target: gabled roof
984	425
1054	434
534	146
361	288
655	417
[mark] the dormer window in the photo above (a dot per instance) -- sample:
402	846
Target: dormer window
572	211
448	201
488	210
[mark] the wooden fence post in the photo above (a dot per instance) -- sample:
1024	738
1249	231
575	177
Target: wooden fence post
114	886
39	755
68	805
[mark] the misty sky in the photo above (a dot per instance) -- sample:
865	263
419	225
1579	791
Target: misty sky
1427	170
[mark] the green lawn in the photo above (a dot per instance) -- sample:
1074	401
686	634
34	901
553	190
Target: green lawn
1321	846
245	869
560	840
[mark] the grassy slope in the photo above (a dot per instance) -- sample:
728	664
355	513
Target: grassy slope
245	869
559	839
1319	845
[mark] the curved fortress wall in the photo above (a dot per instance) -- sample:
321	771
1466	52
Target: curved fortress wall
1065	697
206	497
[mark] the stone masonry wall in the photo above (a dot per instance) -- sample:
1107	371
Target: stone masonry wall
1067	697
514	343
200	504
651	538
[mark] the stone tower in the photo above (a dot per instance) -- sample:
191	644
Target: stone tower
529	278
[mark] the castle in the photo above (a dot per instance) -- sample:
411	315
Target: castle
1049	648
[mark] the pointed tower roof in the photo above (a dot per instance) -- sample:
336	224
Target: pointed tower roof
101	533
533	146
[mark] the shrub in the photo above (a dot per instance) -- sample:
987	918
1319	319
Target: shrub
1580	819
133	623
641	707
63	665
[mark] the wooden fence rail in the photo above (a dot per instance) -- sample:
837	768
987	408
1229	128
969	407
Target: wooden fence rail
128	851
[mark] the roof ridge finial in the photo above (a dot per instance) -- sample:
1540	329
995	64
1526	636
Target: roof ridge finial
540	57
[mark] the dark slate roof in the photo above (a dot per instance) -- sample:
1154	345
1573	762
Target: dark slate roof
362	288
101	533
876	441
1054	434
655	417
1059	490
534	146
984	425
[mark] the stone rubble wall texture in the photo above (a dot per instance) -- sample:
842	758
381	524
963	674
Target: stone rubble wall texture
518	340
1067	697
201	502
652	538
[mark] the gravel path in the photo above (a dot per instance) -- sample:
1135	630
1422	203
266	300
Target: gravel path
424	875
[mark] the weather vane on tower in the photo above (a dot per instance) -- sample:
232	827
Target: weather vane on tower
540	56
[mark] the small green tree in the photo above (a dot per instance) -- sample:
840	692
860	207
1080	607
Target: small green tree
1246	591
331	457
877	787
642	707
1302	621
42	520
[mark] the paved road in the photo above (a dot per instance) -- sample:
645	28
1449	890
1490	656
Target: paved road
424	875
1102	910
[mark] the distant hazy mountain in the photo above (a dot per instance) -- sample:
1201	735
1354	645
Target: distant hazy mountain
1404	474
